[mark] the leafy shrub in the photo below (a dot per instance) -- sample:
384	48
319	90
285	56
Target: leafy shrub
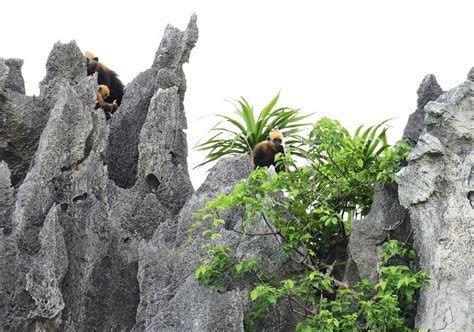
310	211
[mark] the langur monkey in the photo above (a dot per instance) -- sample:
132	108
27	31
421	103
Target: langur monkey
102	95
264	152
106	77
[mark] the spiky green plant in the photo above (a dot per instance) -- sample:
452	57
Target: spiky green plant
237	135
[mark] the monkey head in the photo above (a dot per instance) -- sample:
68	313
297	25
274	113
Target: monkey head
104	91
91	62
276	137
88	55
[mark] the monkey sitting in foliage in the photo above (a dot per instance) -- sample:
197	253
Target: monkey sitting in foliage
106	77
264	152
102	95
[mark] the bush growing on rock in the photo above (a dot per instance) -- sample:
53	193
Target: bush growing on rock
309	211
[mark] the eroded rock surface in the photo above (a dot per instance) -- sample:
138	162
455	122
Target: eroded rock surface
166	72
68	234
22	119
436	187
94	215
171	297
387	220
428	90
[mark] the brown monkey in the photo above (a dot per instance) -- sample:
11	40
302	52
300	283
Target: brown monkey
102	95
264	152
106	77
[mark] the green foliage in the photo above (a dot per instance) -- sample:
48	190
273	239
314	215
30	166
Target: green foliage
350	165
392	160
214	270
309	211
236	135
393	248
384	306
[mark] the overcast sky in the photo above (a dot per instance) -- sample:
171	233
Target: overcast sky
357	61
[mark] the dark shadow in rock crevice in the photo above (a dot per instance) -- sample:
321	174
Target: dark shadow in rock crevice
125	127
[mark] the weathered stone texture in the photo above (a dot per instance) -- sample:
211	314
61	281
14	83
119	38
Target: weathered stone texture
125	127
69	236
386	220
94	214
22	119
428	90
13	78
436	187
171	298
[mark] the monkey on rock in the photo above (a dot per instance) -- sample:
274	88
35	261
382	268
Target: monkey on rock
264	152
102	95
106	77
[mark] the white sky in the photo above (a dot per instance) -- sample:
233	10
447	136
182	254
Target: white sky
358	61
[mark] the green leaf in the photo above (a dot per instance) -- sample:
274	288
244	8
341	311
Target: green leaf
255	294
216	222
290	284
272	299
215	236
238	268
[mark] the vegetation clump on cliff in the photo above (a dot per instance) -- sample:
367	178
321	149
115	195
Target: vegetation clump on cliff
309	211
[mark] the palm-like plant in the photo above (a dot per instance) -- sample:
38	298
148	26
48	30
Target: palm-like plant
240	134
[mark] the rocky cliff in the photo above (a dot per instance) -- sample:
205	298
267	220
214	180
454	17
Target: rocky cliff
437	188
93	214
78	195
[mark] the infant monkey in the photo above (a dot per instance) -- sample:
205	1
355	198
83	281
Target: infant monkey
101	95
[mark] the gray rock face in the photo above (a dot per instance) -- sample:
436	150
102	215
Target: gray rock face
94	215
171	298
429	90
125	127
386	220
166	72
69	236
22	120
163	151
66	171
12	77
7	199
7	247
436	187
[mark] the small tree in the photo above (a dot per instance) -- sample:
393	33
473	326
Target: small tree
309	211
236	135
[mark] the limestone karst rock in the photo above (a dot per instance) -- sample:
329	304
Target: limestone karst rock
22	120
171	297
428	90
166	72
69	235
386	220
93	215
437	189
